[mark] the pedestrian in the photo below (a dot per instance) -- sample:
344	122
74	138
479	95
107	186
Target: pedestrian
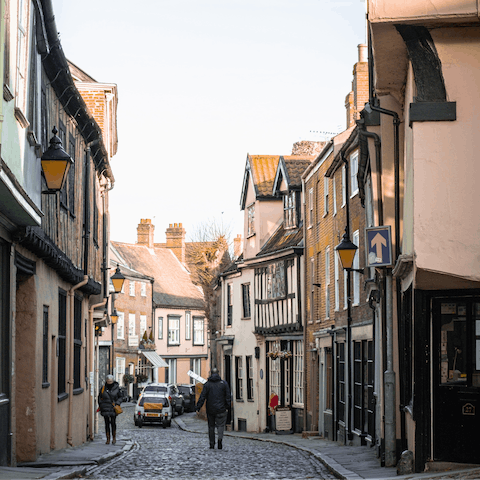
217	394
108	398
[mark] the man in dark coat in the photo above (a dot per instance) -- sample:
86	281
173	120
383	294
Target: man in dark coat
217	394
108	397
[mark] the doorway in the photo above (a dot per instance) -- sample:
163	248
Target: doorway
456	378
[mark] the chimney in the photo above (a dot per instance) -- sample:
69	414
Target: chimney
176	240
145	231
360	81
237	245
349	109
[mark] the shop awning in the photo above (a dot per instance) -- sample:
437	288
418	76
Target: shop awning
155	359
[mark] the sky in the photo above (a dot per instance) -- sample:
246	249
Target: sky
201	83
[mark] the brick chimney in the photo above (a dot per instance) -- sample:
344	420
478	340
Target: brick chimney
176	240
238	245
358	97
145	231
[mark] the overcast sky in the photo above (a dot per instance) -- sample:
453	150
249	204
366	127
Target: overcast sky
201	83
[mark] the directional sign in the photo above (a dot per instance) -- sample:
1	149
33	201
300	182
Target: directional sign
379	246
198	378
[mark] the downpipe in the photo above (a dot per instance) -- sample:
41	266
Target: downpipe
71	340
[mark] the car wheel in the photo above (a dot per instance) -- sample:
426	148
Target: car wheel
164	424
169	423
182	410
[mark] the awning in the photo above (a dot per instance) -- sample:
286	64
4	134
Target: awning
155	359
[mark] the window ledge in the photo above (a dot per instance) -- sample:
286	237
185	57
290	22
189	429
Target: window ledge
45	385
7	93
241	400
22	120
78	391
246	318
62	397
250	400
251	235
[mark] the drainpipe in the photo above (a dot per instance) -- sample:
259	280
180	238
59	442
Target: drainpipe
93	391
86	214
305	385
71	296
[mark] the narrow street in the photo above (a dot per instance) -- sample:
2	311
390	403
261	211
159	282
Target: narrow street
173	454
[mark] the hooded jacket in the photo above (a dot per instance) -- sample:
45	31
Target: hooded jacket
217	394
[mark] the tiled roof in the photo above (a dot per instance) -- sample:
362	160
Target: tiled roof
295	166
173	286
283	239
264	168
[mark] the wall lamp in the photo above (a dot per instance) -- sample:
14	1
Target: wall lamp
55	163
114	316
117	280
346	251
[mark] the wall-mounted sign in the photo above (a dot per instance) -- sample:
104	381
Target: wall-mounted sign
468	409
379	246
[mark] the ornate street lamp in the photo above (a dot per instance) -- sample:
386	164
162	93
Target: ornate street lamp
55	164
117	280
114	316
346	252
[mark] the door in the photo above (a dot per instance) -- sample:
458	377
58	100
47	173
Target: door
228	379
456	377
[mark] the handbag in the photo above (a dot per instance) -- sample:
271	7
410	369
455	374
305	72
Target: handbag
118	409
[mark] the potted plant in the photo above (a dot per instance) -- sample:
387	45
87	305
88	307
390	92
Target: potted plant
141	378
127	379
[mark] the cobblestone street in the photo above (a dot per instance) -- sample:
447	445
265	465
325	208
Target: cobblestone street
173	454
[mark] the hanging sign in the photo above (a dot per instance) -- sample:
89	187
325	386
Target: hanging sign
379	246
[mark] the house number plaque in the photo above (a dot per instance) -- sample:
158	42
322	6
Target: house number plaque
468	409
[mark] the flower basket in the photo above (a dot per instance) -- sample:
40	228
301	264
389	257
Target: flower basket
141	378
283	354
127	378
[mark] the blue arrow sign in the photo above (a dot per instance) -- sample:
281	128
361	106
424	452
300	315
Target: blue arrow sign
379	246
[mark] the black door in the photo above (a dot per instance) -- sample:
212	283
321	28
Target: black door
456	377
228	379
4	355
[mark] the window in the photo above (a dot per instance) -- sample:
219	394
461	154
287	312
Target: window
344	186
298	372
229	304
337	282
312	286
310	207
196	367
238	378
22	54
289	210
174	330
120	364
353	174
246	300
249	367
334	185
198	330
131	324
251	220
143	324
341	381
45	347
62	332
172	370
327	282
356	275
328	379
71	175
345	298
188	326
121	326
77	341
325	195
276	280
160	328
132	288
143	289
274	370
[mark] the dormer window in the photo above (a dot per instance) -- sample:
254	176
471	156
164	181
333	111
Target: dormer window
251	220
290	210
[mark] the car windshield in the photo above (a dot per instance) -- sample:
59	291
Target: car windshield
154	388
147	399
184	390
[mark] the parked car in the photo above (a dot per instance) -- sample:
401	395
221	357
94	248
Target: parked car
169	390
153	408
188	392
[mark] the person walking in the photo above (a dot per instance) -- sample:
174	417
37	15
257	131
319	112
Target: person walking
108	397
217	394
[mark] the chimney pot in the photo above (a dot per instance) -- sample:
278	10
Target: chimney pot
362	53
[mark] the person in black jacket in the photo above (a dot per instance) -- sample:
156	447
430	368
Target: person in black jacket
217	394
108	397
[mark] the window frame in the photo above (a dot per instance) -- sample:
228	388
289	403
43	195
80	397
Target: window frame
334	195
46	342
250	377
62	346
290	210
344	186
239	378
143	289
170	320
298	373
251	220
229	304
356	275
246	303
131	288
199	331
310	208
121	326
160	328
325	196
188	325
353	165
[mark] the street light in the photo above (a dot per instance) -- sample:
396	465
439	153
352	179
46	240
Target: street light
114	317
55	164
117	280
346	252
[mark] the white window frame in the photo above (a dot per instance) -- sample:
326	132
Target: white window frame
337	283
344	186
188	325
160	328
251	220
22	55
239	377
310	208
121	326
143	289
143	325
353	163
356	275
327	282
174	330
345	298
120	369
198	331
131	288
196	368
172	370
131	324
298	373
334	185
325	195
